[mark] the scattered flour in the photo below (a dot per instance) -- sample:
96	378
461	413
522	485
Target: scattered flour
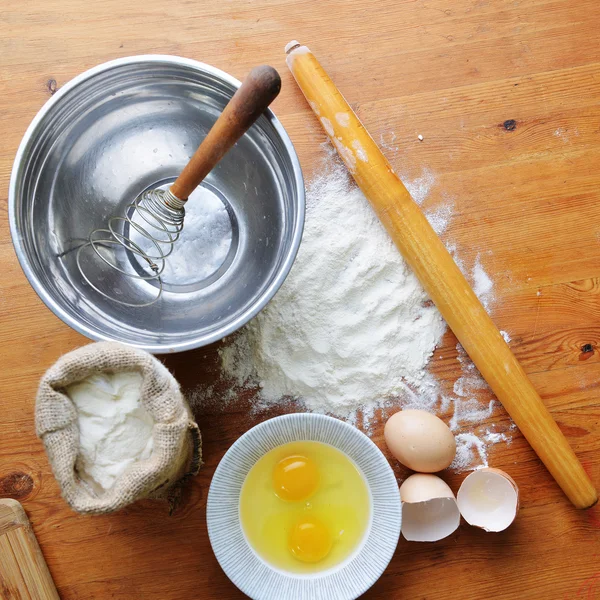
470	411
482	284
457	259
388	141
471	451
470	382
469	416
439	218
494	437
562	134
420	186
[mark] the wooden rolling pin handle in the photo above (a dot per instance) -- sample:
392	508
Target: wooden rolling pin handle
258	90
442	279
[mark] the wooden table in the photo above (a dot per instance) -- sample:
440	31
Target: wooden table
506	94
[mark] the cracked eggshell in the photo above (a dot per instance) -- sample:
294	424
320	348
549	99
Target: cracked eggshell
429	509
489	498
420	440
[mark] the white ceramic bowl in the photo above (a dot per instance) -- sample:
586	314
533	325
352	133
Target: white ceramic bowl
252	574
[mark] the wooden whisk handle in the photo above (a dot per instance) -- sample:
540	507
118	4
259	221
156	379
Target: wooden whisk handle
252	98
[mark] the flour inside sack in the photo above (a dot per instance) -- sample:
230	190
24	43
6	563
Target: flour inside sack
115	430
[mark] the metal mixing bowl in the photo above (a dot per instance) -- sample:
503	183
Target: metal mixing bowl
117	130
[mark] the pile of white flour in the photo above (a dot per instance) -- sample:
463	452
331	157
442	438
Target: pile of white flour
351	330
351	326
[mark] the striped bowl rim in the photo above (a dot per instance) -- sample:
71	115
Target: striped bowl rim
261	581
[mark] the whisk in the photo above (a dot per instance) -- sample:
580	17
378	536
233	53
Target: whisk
153	222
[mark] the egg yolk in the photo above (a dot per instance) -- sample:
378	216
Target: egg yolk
310	540
295	478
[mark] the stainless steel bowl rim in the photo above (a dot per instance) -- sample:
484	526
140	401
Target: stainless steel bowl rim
218	334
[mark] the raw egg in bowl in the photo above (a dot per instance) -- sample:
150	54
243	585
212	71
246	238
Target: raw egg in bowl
304	506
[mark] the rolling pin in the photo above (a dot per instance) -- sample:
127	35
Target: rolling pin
440	276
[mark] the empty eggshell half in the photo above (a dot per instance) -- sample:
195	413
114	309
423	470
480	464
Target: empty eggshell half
420	440
429	509
488	498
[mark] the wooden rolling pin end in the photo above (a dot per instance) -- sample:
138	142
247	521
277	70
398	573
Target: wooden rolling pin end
292	46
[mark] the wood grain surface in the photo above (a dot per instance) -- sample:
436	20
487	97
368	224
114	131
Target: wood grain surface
506	94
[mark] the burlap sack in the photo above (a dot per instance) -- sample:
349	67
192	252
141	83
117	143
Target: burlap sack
177	446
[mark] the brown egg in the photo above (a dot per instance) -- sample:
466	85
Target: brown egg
420	440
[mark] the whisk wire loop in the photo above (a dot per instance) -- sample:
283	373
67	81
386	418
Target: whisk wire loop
160	216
